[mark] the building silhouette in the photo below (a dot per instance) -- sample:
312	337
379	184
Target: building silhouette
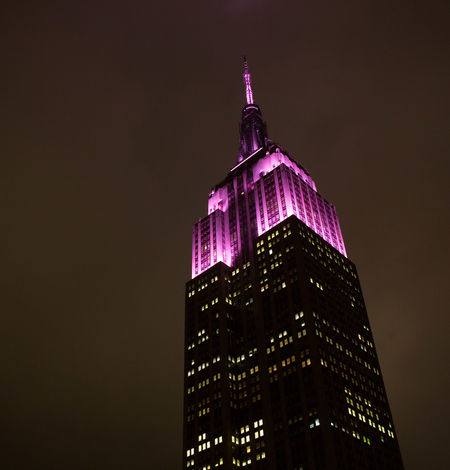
281	370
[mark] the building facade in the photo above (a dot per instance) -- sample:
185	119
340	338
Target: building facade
281	370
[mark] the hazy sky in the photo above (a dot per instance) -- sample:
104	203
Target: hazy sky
117	119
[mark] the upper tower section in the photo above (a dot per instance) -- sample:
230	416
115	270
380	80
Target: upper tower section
264	188
253	129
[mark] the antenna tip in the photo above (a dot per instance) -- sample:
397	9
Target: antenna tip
245	64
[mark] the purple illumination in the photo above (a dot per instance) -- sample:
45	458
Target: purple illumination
264	188
248	85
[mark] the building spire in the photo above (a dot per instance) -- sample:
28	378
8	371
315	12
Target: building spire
252	127
248	85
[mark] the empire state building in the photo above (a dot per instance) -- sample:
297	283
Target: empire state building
281	370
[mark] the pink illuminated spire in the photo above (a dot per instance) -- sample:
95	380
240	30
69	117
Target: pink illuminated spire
248	85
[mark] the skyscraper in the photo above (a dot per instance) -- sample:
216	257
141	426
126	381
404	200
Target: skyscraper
281	370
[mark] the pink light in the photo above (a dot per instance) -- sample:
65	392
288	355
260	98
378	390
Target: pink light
248	86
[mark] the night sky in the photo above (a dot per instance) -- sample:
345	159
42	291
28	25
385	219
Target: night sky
117	119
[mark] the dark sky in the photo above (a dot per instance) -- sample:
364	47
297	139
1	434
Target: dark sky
118	117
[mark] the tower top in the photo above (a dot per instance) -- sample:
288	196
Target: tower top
248	85
252	127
